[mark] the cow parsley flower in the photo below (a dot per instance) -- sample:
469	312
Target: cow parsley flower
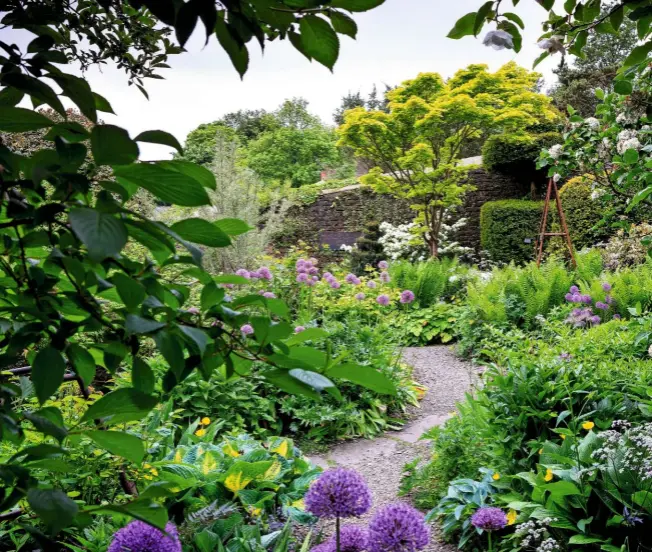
398	528
338	493
138	536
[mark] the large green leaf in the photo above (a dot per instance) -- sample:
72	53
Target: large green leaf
49	421
169	185
232	227
143	509
121	405
283	380
121	444
48	369
319	40
159	137
356	5
139	325
343	24
131	291
464	26
54	508
142	376
366	376
103	234
111	145
233	46
82	362
19	119
313	379
201	174
197	230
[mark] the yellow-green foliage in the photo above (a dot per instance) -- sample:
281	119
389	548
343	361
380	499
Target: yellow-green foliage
417	144
504	227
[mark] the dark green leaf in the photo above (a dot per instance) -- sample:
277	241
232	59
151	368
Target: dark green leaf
569	5
49	421
356	5
169	346
201	174
35	88
186	21
232	227
197	230
139	325
159	137
82	362
481	16
168	185
309	334
143	509
111	145
638	55
319	40
295	40
121	405
18	119
515	18
366	376
48	369
284	381
631	156
233	46
103	234
313	379
121	444
79	91
343	24
616	18
211	295
102	104
54	508
10	97
142	376
623	86
464	26
198	336
131	291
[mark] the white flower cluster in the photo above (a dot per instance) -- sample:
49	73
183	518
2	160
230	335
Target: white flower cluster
347	248
592	123
400	241
627	117
534	534
604	149
597	193
556	151
626	449
627	139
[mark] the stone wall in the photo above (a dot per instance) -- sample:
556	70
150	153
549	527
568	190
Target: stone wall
341	214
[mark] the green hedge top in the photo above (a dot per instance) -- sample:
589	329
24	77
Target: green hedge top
504	227
510	153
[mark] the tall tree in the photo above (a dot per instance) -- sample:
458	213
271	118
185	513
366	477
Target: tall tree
416	146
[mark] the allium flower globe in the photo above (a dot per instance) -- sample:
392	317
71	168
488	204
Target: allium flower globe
385	278
398	528
382	300
407	296
371	284
383	265
338	493
303	277
360	296
606	286
352	539
489	519
243	272
138	536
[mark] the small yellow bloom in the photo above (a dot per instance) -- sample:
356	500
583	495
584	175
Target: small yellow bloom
588	426
540	451
148	477
147	466
495	476
154	472
511	517
548	476
200	432
205	421
563	436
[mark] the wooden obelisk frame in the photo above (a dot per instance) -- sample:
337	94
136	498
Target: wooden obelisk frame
552	187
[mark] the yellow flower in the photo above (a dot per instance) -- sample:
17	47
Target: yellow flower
563	436
511	517
147	466
148	477
495	476
548	476
154	472
540	451
200	432
588	426
205	421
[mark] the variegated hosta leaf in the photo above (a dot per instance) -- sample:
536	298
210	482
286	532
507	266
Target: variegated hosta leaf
240	474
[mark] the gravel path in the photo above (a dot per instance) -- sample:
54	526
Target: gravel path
381	460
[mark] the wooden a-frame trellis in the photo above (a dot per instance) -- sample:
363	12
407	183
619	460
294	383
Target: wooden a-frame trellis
552	187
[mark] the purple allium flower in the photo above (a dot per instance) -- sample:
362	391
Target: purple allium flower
398	528
313	271
300	263
407	297
360	296
138	536
595	320
193	310
609	300
489	519
602	306
247	329
307	265
350	278
299	329
383	265
338	493
606	286
302	270
269	295
243	272
574	290
371	284
569	297
315	278
327	276
303	277
617	317
254	274
577	298
335	284
310	283
382	299
586	299
352	539
265	273
385	277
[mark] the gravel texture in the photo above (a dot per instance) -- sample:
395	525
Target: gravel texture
381	460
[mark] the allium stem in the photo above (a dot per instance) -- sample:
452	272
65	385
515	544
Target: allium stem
337	533
489	537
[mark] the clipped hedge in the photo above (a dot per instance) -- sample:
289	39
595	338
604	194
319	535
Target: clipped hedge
504	226
516	154
582	213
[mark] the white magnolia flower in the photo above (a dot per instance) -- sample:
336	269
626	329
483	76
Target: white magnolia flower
556	151
592	123
498	40
552	44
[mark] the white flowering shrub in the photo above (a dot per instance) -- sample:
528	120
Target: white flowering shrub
403	241
614	148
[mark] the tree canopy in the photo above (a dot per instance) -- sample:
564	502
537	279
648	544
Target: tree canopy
417	144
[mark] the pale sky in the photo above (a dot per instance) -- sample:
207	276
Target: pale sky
395	42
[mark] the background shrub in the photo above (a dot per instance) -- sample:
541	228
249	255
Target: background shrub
504	226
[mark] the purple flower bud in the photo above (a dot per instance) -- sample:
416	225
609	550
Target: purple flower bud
302	270
577	298
303	277
565	356
299	329
586	299
350	278
371	284
606	286
265	273
569	297
327	276
595	320
383	265
489	519
138	536
360	296
602	306
247	329
398	528
313	271
269	295
310	283
407	297
338	492
315	278
382	300
352	539
255	275
574	290
385	277
335	284
243	272
307	265
300	263
609	300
